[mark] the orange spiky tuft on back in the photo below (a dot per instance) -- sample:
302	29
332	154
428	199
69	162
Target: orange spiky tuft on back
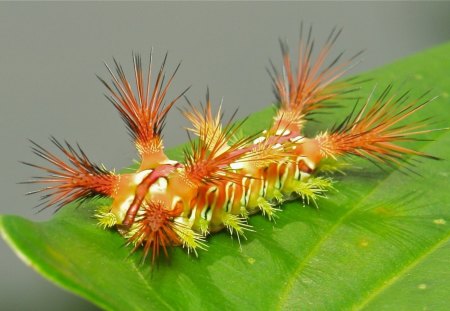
79	179
300	93
155	230
144	112
211	158
373	132
204	124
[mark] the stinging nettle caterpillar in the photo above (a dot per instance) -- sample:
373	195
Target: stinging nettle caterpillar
224	177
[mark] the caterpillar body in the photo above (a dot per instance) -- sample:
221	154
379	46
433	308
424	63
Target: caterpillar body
225	177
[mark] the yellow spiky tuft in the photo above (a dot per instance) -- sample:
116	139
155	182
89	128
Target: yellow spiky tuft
244	212
236	224
204	226
278	196
207	126
190	239
312	188
105	219
267	208
331	166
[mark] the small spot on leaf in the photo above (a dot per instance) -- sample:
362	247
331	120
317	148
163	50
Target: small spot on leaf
251	260
422	286
363	243
384	211
440	221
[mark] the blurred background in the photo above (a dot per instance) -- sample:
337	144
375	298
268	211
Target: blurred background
50	53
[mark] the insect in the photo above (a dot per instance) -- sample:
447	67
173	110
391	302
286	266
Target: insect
226	177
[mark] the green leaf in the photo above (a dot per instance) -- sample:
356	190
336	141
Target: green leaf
380	241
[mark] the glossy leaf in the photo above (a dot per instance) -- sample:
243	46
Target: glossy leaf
380	241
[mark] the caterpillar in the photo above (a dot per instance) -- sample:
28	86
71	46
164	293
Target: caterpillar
226	177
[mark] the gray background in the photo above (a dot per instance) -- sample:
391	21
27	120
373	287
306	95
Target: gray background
49	53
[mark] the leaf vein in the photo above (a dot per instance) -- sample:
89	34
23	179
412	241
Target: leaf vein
144	280
397	276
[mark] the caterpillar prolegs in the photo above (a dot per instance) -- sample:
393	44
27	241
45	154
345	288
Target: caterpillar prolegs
226	177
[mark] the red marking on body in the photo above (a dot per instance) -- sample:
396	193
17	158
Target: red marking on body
142	190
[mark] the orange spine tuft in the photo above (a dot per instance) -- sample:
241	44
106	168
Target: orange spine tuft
204	124
144	112
300	93
373	132
155	230
75	179
209	160
212	157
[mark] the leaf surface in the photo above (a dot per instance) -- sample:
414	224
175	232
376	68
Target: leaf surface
380	241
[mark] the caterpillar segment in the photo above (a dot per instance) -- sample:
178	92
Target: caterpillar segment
226	177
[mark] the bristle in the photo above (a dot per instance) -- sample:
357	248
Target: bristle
300	93
143	110
374	132
75	178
